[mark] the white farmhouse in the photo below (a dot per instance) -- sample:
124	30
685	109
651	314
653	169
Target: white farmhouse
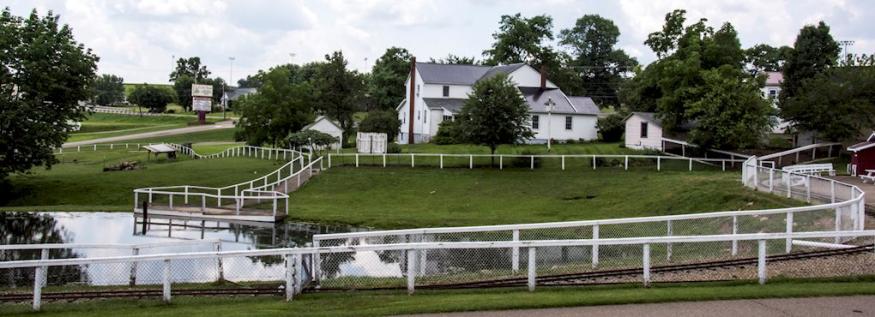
436	92
643	131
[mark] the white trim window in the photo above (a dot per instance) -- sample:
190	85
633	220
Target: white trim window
536	122
446	91
644	130
568	123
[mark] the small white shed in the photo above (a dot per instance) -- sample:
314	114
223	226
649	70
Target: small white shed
371	142
643	131
327	126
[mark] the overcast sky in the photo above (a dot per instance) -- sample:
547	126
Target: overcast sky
137	39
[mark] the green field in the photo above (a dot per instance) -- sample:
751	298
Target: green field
104	125
79	184
382	303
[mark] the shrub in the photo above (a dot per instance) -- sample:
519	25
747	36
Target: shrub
393	148
381	122
152	97
447	133
310	138
170	111
611	128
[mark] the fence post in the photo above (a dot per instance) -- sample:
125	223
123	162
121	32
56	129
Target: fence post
723	162
219	267
626	163
832	191
838	223
761	261
789	240
734	232
593	162
133	280
532	157
691	165
356	160
500	162
471	162
38	276
166	281
808	188
595	246
533	267
658	163
646	264
290	277
411	271
563	162
329	160
384	160
771	179
412	160
515	252
668	247
789	191
317	263
442	160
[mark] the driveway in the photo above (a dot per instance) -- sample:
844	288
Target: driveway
219	125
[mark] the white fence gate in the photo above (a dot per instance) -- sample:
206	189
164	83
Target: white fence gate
371	142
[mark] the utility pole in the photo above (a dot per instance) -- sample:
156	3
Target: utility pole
224	94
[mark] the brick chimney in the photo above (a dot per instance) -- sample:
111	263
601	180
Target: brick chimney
412	100
543	77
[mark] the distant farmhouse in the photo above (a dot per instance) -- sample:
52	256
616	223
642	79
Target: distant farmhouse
436	92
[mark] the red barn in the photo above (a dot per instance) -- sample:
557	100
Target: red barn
863	156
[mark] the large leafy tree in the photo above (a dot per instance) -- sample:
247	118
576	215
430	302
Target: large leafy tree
494	113
152	97
521	40
814	52
190	71
455	60
44	74
385	121
699	81
279	108
108	90
338	91
766	58
599	66
386	84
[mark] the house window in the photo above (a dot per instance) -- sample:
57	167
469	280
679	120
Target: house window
417	116
773	93
568	123
448	118
417	90
535	122
424	116
643	130
446	91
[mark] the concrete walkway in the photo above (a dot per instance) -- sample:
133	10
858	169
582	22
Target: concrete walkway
219	125
815	306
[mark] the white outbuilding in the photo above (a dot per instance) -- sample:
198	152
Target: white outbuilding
643	131
327	126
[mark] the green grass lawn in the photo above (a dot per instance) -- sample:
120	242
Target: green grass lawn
382	303
104	125
428	197
79	184
212	136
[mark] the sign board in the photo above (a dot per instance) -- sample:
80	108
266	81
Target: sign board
201	90
201	104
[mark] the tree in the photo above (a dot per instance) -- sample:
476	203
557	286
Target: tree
44	74
190	67
108	90
311	138
494	114
152	97
598	66
182	87
455	59
611	128
279	108
521	40
386	84
337	90
664	42
381	122
766	58
813	53
838	103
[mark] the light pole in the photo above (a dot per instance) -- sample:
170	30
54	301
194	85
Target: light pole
549	107
230	80
291	58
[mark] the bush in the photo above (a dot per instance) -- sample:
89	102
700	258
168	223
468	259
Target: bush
152	97
525	161
393	148
170	111
611	128
447	133
381	122
310	138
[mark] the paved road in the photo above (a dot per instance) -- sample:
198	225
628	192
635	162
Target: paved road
816	306
219	125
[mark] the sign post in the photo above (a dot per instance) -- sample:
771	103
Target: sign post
201	101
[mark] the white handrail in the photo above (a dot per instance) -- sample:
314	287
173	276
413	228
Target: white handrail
106	245
798	149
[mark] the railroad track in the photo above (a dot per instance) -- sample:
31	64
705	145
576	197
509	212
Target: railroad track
546	280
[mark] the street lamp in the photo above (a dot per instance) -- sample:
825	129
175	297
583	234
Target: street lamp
549	105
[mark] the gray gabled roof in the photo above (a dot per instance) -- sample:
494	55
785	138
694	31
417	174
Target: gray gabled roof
649	116
502	69
536	98
452	74
453	105
585	105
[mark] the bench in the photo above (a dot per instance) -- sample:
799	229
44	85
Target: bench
870	176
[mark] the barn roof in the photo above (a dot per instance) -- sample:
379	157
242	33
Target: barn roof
870	142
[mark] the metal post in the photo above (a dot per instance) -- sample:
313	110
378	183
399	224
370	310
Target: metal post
38	277
219	267
595	246
734	232
668	247
761	261
533	267
133	279
411	271
290	277
515	252
167	281
789	242
646	265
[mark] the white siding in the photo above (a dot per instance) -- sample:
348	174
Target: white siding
325	126
633	137
582	127
437	91
528	76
